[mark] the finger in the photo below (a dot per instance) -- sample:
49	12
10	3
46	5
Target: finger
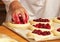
23	15
27	17
24	18
16	19
20	18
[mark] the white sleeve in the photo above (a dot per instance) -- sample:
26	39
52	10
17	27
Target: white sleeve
59	10
52	8
7	3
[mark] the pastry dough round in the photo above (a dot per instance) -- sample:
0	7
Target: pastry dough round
56	20
56	33
38	37
34	22
20	26
31	27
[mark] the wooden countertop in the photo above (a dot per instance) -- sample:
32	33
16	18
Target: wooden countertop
10	33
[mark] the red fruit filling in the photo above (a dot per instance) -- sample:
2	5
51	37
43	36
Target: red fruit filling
19	19
58	18
39	32
46	33
58	29
45	26
41	20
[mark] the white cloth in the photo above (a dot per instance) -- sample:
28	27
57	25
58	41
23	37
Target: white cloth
38	8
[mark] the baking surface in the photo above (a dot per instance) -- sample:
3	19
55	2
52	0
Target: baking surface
17	37
11	34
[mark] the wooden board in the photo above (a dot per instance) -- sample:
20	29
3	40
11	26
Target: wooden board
12	34
18	37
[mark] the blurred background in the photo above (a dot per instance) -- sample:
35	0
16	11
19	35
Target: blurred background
2	12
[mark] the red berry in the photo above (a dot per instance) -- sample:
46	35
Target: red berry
35	31
47	26
43	25
46	33
46	20
35	26
41	20
38	25
58	29
58	18
36	20
39	32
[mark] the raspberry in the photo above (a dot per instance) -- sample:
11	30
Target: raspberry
46	33
35	31
46	20
36	25
39	32
41	20
47	26
58	29
58	18
43	25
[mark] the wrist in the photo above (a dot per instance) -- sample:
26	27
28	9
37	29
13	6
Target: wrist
15	5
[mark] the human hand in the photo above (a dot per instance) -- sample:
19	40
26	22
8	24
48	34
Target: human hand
19	14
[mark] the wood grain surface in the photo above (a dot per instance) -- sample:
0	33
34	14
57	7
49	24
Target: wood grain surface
12	34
